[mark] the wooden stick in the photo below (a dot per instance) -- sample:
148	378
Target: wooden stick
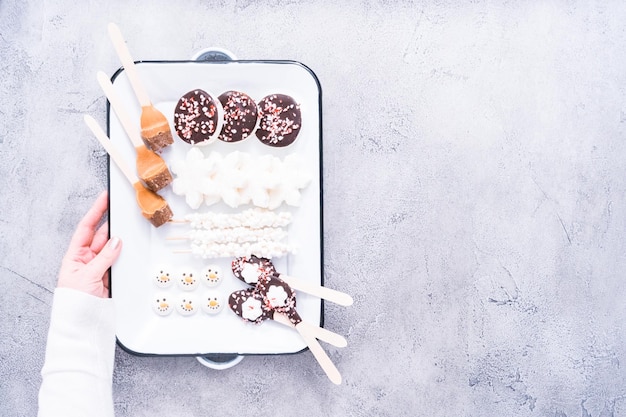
322	357
112	151
120	111
129	65
335	296
318	332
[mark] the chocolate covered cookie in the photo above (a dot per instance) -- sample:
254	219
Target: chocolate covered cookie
197	117
240	116
279	120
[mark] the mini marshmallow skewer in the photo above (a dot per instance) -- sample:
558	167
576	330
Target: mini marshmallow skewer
264	248
151	168
256	306
234	234
251	270
153	206
254	218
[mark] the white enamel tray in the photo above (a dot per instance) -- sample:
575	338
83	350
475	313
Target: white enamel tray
139	330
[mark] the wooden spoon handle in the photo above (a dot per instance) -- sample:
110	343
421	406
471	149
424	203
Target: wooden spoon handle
322	358
120	111
335	296
320	333
113	152
325	335
129	65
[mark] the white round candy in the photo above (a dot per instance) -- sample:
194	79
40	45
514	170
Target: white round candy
187	280
162	304
212	275
187	305
162	277
212	302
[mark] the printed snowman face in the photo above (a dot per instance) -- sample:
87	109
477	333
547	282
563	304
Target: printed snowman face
212	275
186	305
212	302
187	280
162	305
162	278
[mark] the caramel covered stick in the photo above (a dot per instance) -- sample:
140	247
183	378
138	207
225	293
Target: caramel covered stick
153	206
155	129
151	168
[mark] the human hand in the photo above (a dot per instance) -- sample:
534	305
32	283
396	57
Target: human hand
85	266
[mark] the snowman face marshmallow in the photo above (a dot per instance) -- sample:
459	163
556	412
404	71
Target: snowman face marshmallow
162	305
212	302
212	275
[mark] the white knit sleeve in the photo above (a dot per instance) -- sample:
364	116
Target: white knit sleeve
78	369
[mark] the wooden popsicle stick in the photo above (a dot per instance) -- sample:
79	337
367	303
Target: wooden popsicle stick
329	294
120	112
129	65
111	150
316	331
322	357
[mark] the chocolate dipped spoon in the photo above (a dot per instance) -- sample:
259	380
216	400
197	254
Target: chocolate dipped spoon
253	307
280	297
254	269
262	312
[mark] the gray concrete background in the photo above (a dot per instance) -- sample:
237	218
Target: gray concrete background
475	201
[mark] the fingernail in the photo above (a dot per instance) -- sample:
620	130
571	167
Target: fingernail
114	242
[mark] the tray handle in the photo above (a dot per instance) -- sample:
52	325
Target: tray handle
213	53
220	361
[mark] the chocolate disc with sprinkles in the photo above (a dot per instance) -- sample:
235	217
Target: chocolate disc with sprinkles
240	116
197	117
279	120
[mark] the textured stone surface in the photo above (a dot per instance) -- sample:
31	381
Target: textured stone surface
474	200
